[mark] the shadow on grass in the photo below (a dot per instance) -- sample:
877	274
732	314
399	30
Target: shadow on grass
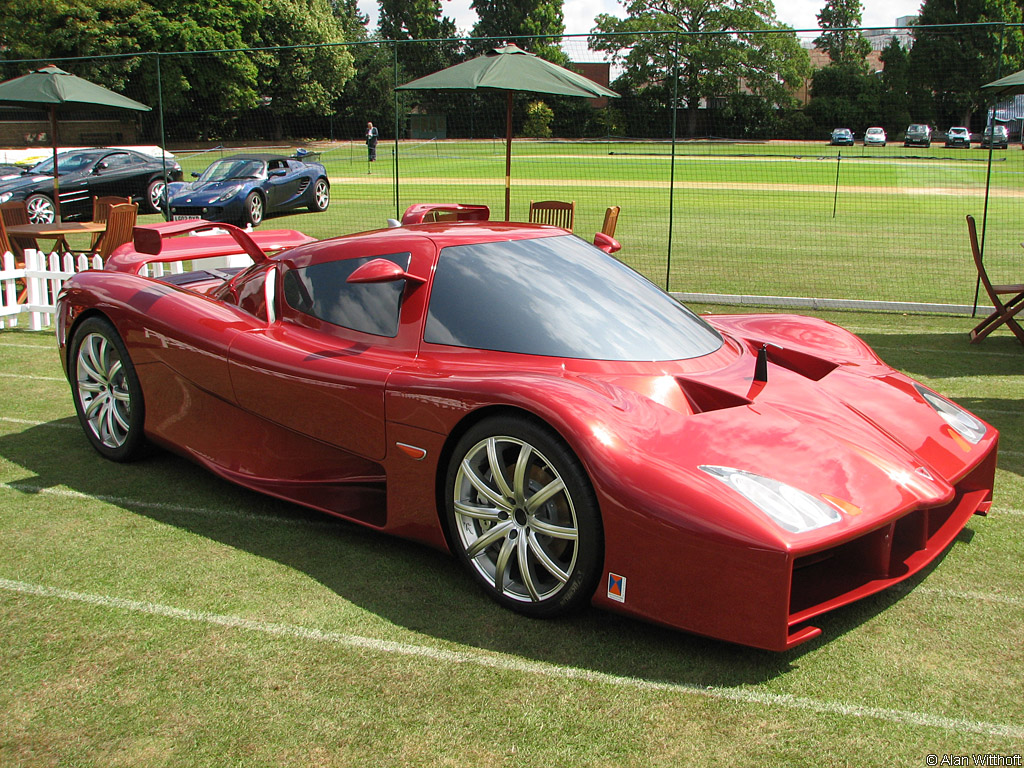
949	355
407	584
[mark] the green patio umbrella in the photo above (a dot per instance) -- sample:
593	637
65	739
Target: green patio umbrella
510	69
55	90
1005	86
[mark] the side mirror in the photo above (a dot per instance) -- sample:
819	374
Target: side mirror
99	167
195	174
278	172
606	243
382	271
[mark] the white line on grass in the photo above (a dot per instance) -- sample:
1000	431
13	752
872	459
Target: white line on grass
510	664
30	423
126	503
47	347
33	378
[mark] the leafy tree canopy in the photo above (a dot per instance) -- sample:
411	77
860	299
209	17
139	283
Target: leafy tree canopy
720	46
840	37
517	21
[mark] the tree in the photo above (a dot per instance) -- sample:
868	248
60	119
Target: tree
419	20
953	63
719	49
840	35
308	75
523	22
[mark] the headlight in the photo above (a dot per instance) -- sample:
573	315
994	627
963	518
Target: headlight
965	425
5	197
228	193
791	509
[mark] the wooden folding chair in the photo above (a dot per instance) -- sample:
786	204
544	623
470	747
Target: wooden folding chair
120	223
553	212
100	210
1004	310
611	219
13	213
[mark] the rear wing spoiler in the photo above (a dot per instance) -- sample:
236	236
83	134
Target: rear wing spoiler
159	243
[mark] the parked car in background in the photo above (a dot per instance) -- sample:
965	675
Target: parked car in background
995	136
842	137
243	189
958	136
918	135
874	137
88	173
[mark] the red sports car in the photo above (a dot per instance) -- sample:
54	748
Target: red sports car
518	397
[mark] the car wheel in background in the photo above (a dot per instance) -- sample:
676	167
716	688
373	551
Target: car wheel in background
155	195
40	209
107	392
253	209
522	516
321	196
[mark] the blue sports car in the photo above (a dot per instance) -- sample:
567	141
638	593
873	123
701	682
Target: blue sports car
243	189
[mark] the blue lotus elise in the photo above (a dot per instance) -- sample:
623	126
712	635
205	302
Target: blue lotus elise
243	189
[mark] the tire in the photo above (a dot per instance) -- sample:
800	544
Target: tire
155	195
40	209
106	390
253	213
537	555
321	196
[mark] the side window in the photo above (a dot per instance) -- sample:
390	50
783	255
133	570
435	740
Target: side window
320	290
120	160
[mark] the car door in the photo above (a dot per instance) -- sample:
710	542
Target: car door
114	175
320	368
282	183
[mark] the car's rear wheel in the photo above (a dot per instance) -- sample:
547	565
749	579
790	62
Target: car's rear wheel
155	195
523	517
321	196
40	209
254	209
107	392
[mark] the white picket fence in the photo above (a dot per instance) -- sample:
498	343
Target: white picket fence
33	288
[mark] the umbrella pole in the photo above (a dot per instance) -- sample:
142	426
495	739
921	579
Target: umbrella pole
56	182
508	154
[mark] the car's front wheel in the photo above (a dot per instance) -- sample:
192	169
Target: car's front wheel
107	392
523	517
155	193
40	209
321	196
254	209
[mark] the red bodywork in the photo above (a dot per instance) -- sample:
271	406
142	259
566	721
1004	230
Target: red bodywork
361	426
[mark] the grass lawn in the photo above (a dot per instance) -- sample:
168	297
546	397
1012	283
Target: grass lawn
777	218
153	615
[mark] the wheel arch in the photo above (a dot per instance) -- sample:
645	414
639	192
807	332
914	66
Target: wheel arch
469	421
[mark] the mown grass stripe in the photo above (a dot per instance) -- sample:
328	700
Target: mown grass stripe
30	423
510	664
46	347
126	503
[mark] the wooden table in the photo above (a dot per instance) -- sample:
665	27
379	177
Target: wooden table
58	232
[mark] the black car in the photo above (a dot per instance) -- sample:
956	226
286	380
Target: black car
88	173
996	137
918	135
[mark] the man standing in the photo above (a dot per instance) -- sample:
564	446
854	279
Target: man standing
371	143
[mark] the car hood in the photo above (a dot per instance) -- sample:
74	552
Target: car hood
22	182
833	422
204	191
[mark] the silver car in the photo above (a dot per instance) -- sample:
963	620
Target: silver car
874	137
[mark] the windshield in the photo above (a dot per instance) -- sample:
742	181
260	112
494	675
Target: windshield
233	168
67	162
558	297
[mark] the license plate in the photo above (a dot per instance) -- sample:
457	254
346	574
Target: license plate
185	218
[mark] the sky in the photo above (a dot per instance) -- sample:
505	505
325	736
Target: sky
579	14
